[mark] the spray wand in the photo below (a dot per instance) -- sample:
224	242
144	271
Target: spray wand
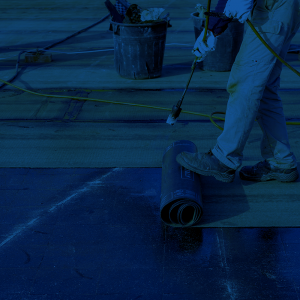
176	110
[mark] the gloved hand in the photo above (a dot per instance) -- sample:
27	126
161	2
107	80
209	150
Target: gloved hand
204	48
239	9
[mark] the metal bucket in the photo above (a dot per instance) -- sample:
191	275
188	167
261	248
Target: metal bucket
227	48
139	49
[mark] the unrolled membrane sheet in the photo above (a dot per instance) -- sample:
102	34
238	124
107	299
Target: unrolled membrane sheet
181	202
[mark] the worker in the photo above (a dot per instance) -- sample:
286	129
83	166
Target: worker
253	87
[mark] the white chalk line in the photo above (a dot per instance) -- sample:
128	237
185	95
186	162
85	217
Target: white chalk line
22	227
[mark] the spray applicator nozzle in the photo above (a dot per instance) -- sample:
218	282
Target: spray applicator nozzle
176	110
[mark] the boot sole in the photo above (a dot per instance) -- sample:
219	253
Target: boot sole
293	176
219	176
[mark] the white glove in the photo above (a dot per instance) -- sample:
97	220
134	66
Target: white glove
239	9
201	49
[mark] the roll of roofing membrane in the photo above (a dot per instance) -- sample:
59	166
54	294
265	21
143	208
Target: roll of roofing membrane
180	199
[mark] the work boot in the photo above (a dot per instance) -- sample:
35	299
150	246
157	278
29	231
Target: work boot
206	164
263	171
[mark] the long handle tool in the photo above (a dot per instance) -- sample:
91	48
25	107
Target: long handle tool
176	110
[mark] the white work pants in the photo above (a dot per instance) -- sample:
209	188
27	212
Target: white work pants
253	84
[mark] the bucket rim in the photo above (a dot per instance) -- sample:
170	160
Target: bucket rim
193	16
139	25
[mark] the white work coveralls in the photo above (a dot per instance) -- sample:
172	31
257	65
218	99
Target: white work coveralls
253	84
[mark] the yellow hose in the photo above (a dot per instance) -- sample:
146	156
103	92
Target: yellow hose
206	21
162	108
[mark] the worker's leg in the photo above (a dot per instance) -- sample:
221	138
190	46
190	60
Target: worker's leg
250	74
275	145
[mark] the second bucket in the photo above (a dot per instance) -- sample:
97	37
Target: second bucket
227	48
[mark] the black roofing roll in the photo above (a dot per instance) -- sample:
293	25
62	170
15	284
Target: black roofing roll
180	199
